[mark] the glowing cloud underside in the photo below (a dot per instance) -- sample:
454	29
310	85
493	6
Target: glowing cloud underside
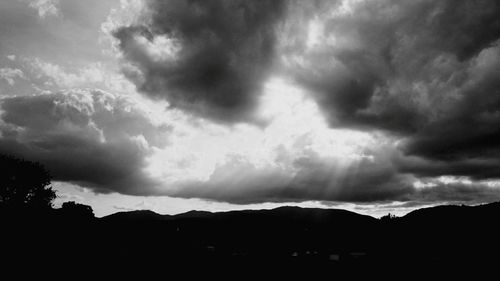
295	130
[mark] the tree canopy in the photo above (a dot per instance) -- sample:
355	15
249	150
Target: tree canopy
77	211
24	184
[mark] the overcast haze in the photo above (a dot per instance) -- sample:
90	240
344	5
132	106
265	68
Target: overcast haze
375	106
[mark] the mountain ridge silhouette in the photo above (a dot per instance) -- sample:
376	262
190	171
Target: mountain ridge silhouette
434	210
285	240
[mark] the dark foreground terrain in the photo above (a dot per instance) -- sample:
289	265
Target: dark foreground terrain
284	242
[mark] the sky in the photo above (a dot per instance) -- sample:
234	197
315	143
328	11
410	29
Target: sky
373	106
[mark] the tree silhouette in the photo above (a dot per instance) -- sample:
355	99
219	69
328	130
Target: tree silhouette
75	210
389	217
24	185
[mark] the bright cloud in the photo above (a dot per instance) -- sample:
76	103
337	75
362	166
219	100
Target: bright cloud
296	149
45	8
93	75
10	74
296	129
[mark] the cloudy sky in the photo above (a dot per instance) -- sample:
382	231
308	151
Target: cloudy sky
375	106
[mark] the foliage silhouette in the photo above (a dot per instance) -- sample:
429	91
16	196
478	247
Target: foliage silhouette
77	211
388	217
24	185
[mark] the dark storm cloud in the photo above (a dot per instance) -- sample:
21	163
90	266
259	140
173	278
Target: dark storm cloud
90	138
390	64
425	71
478	168
225	51
471	126
458	192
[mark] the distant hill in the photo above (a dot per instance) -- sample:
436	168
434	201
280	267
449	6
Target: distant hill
282	240
282	213
454	211
138	215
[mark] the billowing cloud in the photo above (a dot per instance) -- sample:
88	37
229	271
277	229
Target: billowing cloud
409	68
52	76
45	8
209	58
390	64
424	71
88	137
468	127
10	74
91	74
365	101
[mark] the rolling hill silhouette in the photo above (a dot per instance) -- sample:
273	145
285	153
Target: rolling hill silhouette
138	215
286	239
